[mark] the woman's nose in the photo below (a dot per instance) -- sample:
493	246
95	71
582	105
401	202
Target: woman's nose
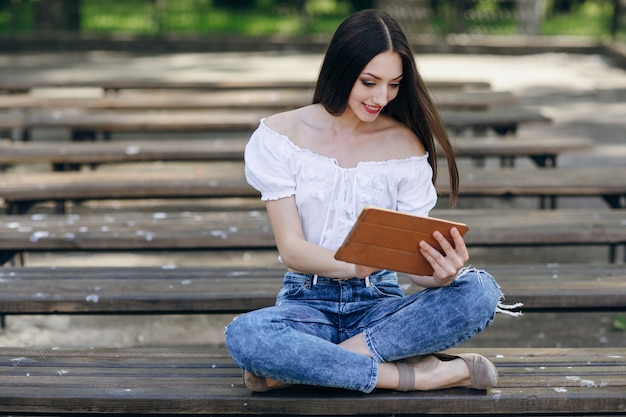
380	96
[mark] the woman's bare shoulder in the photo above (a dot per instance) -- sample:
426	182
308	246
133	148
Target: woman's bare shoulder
401	138
288	123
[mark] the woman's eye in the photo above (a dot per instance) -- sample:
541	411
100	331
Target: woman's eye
395	85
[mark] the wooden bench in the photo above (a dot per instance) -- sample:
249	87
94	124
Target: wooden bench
277	99
87	124
203	381
191	231
234	290
20	191
21	86
71	156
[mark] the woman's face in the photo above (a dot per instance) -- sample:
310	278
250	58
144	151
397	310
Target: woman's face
376	86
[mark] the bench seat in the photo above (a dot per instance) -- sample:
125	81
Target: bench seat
233	290
279	99
118	84
143	231
204	381
65	156
87	124
20	191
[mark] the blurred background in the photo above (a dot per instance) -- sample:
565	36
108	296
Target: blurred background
600	19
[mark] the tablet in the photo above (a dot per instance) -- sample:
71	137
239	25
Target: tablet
389	239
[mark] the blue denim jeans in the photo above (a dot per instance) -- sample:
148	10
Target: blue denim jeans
296	340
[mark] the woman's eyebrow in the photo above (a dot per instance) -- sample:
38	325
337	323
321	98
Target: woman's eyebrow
378	78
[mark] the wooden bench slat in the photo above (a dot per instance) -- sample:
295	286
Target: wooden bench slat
30	290
227	180
501	116
249	98
503	119
232	148
119	151
144	84
203	230
136	383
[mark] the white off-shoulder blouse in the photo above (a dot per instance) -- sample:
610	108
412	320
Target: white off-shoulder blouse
330	197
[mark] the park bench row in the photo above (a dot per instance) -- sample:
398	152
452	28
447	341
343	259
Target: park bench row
89	124
201	381
73	155
278	99
116	85
235	290
251	230
21	191
204	380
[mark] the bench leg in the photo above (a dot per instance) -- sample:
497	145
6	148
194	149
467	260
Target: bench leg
479	161
507	161
612	253
59	207
83	135
8	255
62	167
505	130
547	202
18	207
544	161
20	134
615	201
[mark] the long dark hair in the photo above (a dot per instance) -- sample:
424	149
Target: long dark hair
355	43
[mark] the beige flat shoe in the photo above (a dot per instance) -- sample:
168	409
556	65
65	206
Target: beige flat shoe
483	373
257	383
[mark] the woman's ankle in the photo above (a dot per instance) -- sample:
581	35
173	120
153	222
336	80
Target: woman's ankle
427	373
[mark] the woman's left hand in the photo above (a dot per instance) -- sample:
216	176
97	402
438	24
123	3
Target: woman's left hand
446	265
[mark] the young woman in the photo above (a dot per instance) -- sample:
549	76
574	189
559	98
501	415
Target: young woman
367	140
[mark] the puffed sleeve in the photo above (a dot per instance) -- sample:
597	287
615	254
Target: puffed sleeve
417	193
267	165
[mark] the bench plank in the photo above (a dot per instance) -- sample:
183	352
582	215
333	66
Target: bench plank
503	119
247	84
250	98
251	229
20	191
543	152
217	290
202	381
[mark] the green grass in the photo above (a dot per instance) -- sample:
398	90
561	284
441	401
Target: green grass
197	16
591	19
200	17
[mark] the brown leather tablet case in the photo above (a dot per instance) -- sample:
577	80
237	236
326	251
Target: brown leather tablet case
390	239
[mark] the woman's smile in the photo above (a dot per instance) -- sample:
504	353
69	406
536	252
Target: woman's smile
372	109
